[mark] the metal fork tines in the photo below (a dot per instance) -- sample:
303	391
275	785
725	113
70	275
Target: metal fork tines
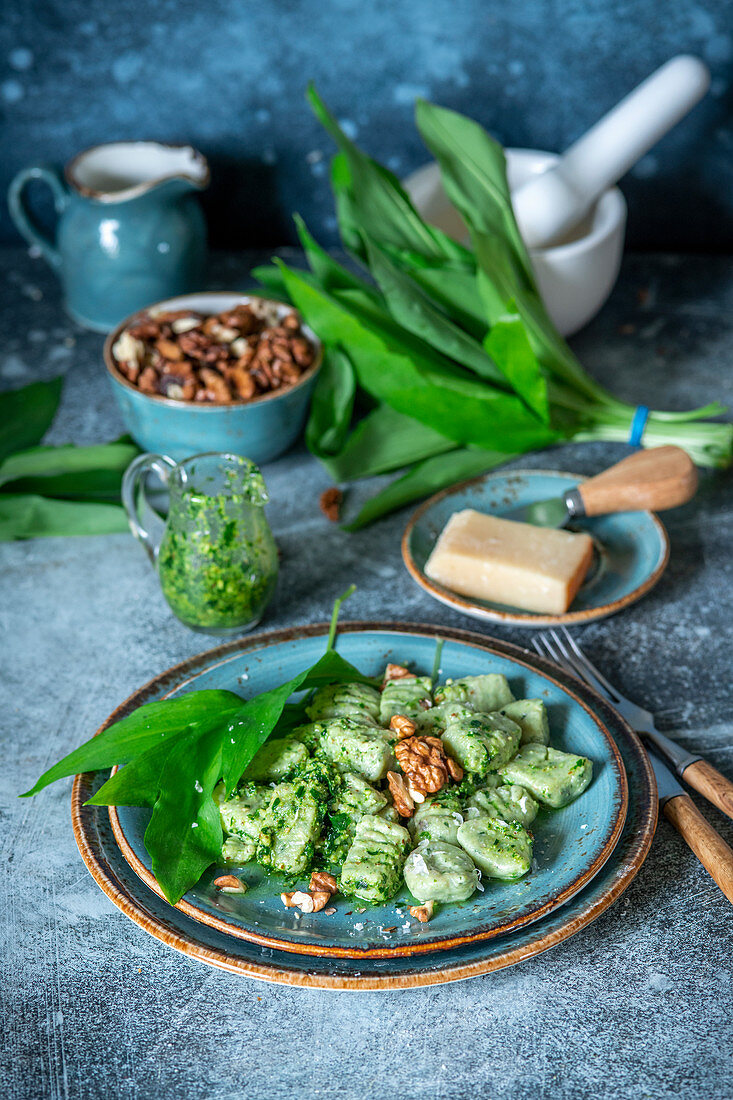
562	648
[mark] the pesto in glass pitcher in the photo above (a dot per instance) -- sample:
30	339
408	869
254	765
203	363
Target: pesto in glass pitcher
217	560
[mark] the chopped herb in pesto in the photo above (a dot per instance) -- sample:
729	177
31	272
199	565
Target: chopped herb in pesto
218	560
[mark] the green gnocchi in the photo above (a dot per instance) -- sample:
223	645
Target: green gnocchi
482	742
553	777
484	693
330	795
373	866
508	801
438	871
409	695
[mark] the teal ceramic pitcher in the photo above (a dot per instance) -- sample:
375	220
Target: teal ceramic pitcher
130	229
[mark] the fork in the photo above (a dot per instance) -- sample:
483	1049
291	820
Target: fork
710	848
695	771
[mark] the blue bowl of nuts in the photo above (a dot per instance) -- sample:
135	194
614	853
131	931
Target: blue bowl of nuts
214	371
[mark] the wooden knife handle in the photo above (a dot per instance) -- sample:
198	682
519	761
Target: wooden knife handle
709	847
659	478
713	786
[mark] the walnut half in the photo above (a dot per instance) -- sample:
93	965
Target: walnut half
403	802
424	762
402	726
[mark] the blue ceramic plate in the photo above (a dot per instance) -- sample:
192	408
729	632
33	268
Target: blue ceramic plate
631	548
571	845
115	876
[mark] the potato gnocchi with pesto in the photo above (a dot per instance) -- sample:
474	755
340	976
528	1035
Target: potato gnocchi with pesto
332	796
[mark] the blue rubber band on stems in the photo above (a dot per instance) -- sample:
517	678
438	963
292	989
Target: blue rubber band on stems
638	425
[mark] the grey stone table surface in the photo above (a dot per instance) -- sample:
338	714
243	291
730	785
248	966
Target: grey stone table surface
637	1005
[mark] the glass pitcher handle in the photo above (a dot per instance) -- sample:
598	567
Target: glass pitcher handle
134	481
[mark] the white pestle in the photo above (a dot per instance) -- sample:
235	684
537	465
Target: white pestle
551	204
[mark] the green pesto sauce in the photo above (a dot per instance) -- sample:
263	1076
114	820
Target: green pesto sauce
217	562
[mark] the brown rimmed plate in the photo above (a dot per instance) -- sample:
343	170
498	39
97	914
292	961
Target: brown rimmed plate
379	937
631	549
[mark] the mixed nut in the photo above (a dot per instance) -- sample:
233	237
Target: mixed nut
233	356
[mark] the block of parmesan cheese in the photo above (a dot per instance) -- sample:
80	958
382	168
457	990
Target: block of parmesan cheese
533	568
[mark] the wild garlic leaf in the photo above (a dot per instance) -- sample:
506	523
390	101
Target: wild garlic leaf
499	285
473	170
29	516
411	307
346	215
451	285
26	415
332	405
330	274
379	204
184	835
138	782
509	346
144	729
271	279
384	440
102	486
49	462
427	477
421	384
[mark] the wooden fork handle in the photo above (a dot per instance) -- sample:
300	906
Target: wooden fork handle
713	786
715	855
659	478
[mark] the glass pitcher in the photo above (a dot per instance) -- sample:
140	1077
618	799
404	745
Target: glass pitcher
217	560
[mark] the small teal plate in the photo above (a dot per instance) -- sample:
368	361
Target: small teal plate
571	845
631	548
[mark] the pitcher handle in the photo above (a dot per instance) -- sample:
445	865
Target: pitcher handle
134	482
21	215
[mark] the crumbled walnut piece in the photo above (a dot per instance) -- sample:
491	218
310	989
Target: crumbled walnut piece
185	324
455	769
168	316
148	381
144	329
330	503
243	382
314	899
321	880
230	884
403	803
302	351
398	672
216	387
168	349
424	762
423	913
402	726
128	349
330	911
298	900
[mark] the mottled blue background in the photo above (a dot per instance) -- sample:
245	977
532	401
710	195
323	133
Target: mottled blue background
229	76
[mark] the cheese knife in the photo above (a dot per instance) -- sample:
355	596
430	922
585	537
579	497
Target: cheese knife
655	479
